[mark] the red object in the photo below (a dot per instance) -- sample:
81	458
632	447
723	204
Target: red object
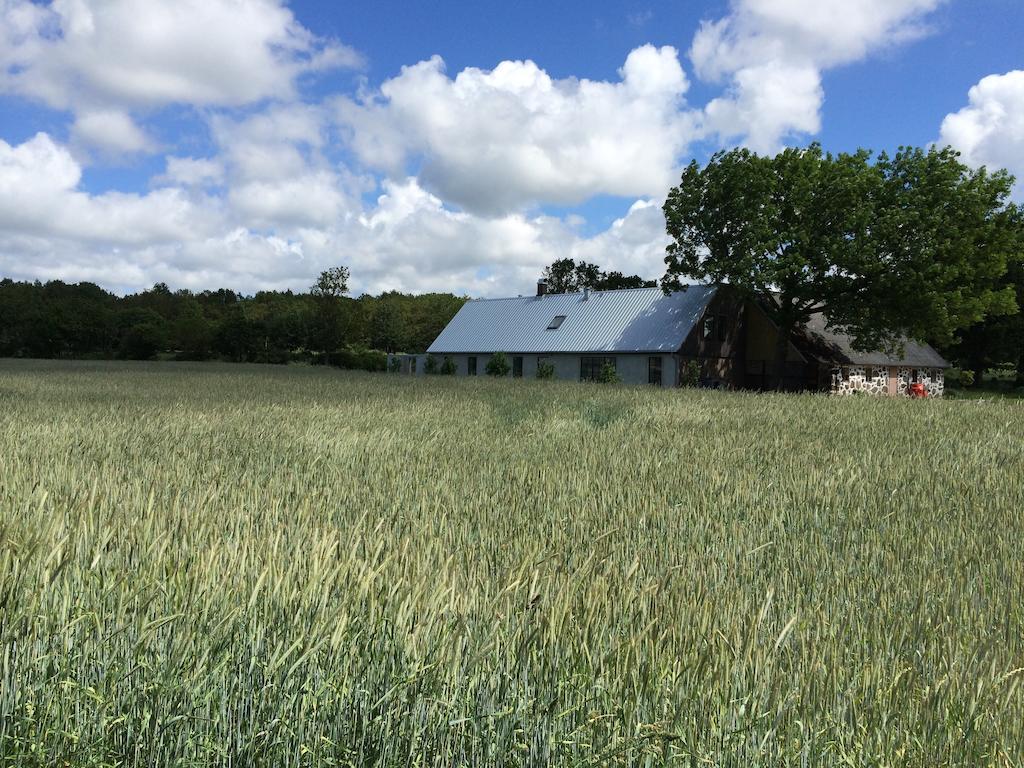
917	390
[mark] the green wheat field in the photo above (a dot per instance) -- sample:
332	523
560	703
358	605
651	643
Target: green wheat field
239	565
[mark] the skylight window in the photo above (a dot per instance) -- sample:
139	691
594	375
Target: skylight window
555	322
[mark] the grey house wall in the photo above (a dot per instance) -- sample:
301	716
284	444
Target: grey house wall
632	368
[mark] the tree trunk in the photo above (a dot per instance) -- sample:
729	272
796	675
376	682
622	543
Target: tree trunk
979	371
781	350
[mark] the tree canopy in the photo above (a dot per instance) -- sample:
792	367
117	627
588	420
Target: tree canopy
570	276
915	245
57	319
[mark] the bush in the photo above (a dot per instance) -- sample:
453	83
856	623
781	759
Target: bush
690	374
963	378
395	364
358	359
498	365
545	370
430	366
141	342
608	375
448	367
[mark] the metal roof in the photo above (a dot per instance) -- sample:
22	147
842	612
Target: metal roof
838	347
628	320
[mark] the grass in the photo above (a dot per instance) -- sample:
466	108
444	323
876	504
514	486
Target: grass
233	565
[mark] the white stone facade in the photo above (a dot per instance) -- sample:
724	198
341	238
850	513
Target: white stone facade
875	380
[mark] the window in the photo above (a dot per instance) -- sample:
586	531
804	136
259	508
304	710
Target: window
709	326
556	322
471	366
654	370
517	367
590	367
722	327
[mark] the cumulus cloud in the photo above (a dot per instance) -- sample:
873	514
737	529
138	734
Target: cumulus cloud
408	239
111	131
496	140
771	54
192	172
39	196
104	58
990	129
170	51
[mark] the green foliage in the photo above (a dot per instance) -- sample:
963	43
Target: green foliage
997	340
498	365
84	321
913	245
569	276
689	375
960	378
208	564
332	283
395	365
144	334
448	367
359	359
430	366
608	375
545	370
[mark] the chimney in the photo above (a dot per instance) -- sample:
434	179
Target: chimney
542	287
586	294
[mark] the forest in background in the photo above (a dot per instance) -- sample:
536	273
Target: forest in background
62	320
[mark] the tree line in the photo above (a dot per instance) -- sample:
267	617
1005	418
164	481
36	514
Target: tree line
62	320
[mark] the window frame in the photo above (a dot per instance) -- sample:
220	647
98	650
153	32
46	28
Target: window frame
707	327
595	363
656	361
556	323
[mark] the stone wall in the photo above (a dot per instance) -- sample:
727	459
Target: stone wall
855	378
873	380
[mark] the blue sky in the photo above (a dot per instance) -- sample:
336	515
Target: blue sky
446	146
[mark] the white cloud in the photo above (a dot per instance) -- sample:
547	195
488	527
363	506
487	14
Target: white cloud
103	59
39	197
499	140
990	129
408	239
772	53
634	244
192	172
117	52
409	228
111	131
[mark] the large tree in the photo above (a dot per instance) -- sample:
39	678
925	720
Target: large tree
328	333
912	245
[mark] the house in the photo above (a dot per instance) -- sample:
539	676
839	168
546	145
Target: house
649	337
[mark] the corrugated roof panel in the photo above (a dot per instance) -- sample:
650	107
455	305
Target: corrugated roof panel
630	320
